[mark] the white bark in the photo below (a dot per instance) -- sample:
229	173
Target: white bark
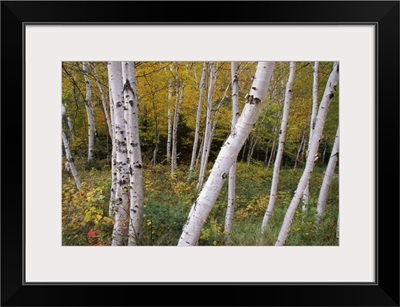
113	157
230	210
178	102
281	145
330	90
338	227
198	113
90	114
228	154
207	133
121	203
71	130
312	125
103	100
70	161
169	140
272	153
134	153
330	170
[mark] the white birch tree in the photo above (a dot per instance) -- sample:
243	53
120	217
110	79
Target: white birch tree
230	210
134	154
207	133
103	100
330	170
121	201
329	93
198	114
281	145
228	154
312	124
90	113
70	165
179	92
113	155
169	114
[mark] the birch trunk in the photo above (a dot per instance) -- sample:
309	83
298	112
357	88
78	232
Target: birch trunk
298	152
207	133
90	114
178	102
330	170
70	165
281	145
121	202
113	157
71	130
337	227
272	153
70	161
103	100
198	113
312	125
134	154
330	90
232	171
228	154
169	132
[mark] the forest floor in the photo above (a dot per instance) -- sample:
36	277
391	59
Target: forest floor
168	199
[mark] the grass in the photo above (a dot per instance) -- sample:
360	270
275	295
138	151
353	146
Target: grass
168	201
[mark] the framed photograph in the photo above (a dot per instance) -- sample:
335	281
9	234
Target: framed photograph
100	63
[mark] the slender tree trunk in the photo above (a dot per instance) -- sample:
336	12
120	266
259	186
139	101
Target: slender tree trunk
303	149
319	126
121	201
71	130
324	152
228	154
178	102
251	150
207	133
103	100
232	171
113	157
272	153
70	161
298	151
169	139
70	165
337	228
198	113
312	126
330	170
266	154
90	114
200	152
134	154
281	145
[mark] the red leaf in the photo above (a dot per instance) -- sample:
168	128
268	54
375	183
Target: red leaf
93	234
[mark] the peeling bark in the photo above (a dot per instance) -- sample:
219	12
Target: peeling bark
228	154
121	203
134	154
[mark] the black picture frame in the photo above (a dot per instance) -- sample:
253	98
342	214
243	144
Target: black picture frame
383	14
